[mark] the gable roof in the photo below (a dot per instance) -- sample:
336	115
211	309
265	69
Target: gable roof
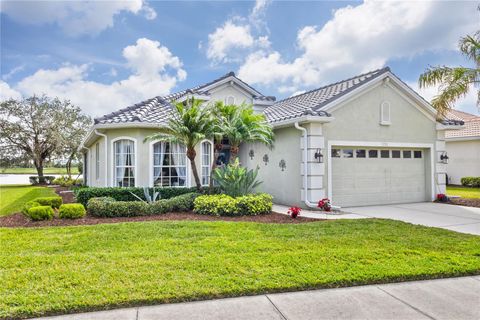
157	110
471	125
311	102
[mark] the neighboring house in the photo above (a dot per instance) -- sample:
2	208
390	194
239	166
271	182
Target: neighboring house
366	140
463	147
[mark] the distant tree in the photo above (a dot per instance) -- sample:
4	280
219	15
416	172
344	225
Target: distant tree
455	82
40	127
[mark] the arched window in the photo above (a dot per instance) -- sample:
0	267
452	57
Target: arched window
124	163
169	165
230	100
206	162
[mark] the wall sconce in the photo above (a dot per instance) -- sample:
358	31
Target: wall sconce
319	156
265	158
282	164
251	154
444	158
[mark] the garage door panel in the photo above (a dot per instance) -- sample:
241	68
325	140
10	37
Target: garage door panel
369	181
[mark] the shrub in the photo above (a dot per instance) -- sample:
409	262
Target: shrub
235	180
66	181
470	182
225	205
125	194
44	179
40	213
33	179
28	205
71	211
54	202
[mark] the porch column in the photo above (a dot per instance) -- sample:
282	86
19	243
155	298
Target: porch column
316	170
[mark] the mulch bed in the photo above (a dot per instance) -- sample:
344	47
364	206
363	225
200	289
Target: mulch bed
465	202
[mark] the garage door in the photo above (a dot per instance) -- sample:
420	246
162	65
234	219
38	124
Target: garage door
369	176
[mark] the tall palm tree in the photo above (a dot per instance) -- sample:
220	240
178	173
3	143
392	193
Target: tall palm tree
191	123
241	124
455	82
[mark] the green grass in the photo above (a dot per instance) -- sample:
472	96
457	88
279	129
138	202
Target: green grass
12	198
32	171
65	269
464	192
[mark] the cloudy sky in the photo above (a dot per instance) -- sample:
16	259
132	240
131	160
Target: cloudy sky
105	55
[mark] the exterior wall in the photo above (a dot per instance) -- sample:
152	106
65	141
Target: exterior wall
285	186
464	159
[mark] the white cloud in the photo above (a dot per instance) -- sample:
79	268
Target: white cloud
226	38
257	15
155	71
75	17
6	92
362	38
12	72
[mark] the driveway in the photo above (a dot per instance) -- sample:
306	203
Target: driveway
451	217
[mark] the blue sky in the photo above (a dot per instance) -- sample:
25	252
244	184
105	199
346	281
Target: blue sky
107	55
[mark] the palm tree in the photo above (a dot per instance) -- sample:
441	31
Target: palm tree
190	124
241	124
455	82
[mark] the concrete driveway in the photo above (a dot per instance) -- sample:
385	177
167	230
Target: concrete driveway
451	217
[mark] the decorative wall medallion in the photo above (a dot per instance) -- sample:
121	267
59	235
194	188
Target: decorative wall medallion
282	164
265	158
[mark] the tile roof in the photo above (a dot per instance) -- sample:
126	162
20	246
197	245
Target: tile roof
311	102
471	126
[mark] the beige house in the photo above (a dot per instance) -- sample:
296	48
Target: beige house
366	140
463	147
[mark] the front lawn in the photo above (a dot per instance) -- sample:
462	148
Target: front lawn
464	192
32	171
13	197
66	269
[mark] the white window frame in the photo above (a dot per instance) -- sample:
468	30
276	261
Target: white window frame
112	162
206	165
152	171
385	110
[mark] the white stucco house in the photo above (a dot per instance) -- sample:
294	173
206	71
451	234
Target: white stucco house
366	140
463	147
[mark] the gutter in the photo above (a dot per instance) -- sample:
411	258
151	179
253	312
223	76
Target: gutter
98	133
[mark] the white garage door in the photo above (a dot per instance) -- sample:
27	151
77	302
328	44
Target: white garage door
369	176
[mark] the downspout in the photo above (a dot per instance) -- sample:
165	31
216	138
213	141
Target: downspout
98	133
305	166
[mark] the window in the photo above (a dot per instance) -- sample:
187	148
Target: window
347	153
124	174
385	113
97	161
230	100
407	154
417	154
361	153
169	165
373	153
336	153
395	153
206	162
385	153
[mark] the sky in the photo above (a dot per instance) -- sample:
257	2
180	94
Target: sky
106	55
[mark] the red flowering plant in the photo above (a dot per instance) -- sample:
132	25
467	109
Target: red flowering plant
325	205
441	197
294	212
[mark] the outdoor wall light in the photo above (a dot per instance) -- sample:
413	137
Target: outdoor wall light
319	156
444	158
282	164
265	158
251	154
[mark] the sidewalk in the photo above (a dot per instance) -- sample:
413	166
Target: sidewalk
454	298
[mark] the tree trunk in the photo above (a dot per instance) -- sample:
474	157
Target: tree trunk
216	153
39	166
191	156
68	165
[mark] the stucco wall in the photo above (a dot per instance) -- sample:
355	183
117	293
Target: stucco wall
464	159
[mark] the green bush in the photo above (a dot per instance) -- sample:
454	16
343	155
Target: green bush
45	179
40	213
28	205
71	211
54	202
125	194
225	205
235	180
470	182
109	207
66	181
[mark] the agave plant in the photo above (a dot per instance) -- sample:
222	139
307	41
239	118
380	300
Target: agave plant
235	180
149	198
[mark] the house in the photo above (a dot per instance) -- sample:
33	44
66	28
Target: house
366	140
463	147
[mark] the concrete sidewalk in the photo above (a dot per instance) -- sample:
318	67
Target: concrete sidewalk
454	298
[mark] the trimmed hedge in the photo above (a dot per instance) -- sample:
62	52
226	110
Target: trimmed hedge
71	211
54	202
224	205
123	194
45	179
28	205
109	207
40	213
65	181
470	182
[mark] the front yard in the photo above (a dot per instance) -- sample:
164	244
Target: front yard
464	192
12	198
66	269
